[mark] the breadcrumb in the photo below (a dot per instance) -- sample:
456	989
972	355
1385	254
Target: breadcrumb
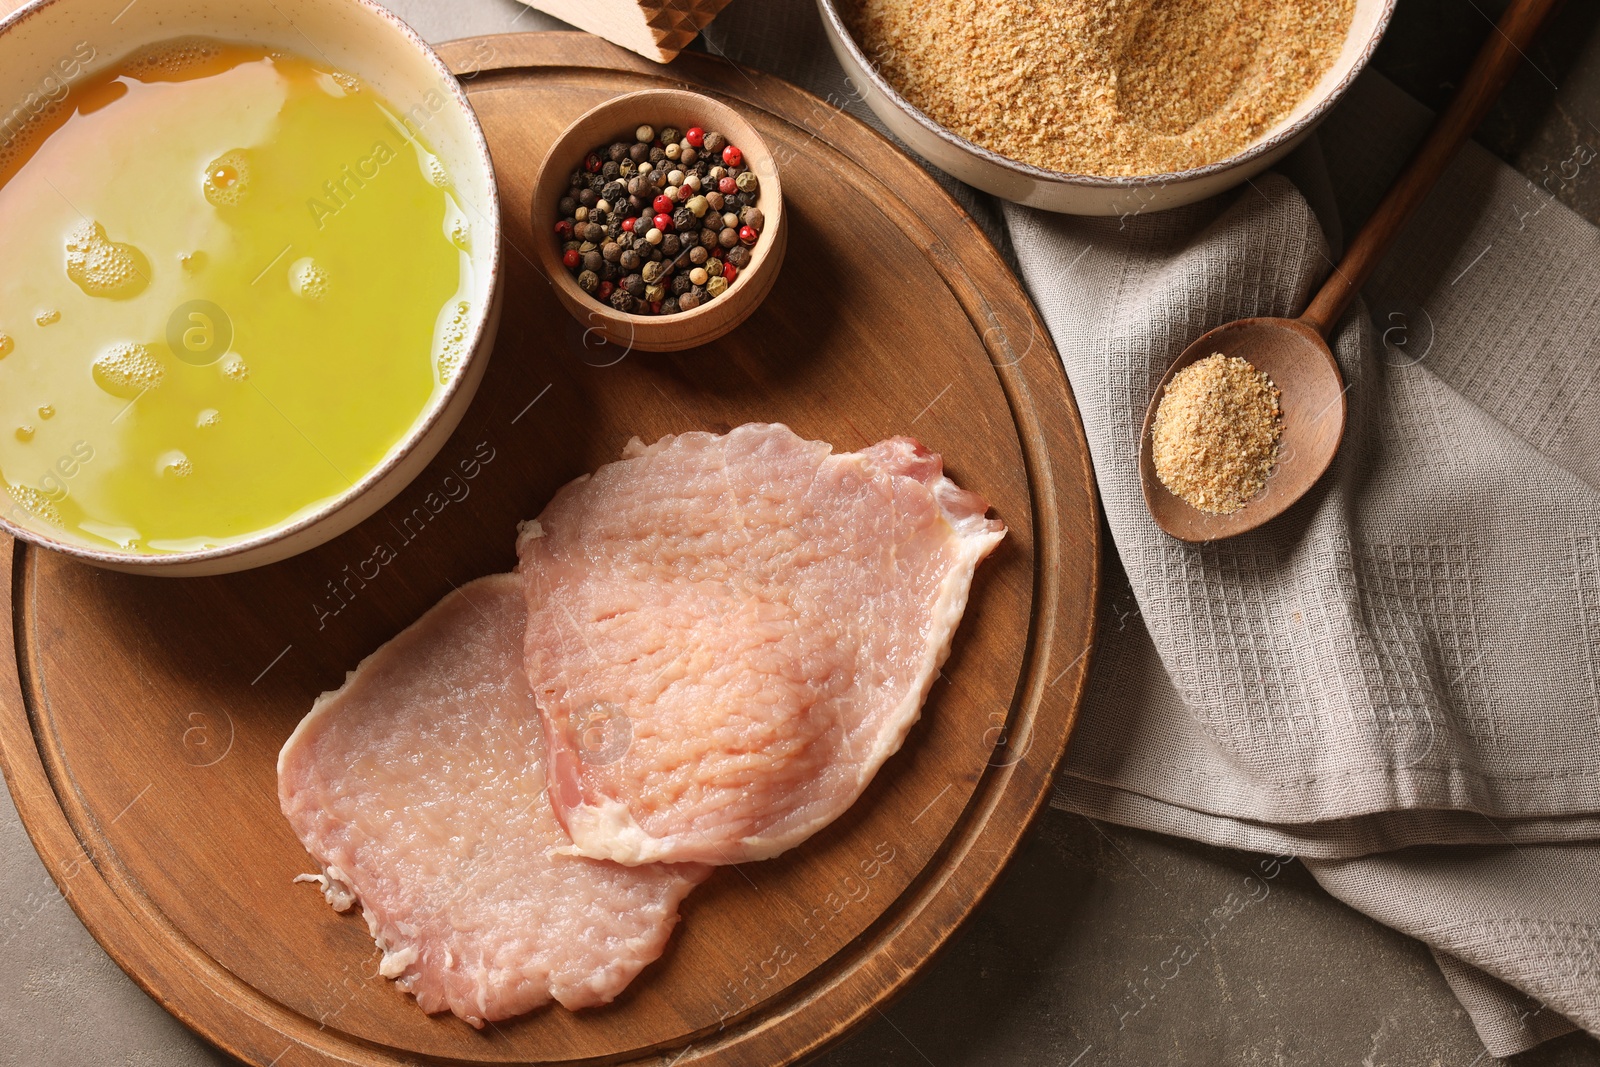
1215	437
1104	87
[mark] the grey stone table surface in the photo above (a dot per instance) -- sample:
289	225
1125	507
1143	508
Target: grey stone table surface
1086	909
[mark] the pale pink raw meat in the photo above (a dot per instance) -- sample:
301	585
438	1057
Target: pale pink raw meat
728	635
419	787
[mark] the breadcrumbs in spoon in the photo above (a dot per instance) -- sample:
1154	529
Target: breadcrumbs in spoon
1215	437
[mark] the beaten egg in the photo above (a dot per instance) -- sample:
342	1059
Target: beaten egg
233	281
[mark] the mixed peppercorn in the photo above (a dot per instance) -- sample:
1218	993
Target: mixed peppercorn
662	224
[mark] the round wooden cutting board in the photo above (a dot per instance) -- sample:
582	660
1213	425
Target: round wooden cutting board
140	718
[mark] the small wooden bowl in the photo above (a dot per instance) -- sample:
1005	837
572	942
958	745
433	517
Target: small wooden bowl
615	120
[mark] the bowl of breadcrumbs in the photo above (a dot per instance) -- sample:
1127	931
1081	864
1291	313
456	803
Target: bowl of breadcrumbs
1103	108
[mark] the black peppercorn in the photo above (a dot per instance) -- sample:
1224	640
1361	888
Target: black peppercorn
610	272
614	192
617	152
715	143
629	260
657	155
728	237
739	257
593	261
698	255
680	284
567	206
634	284
610	171
594	233
639	153
588	198
611	251
622	300
684	219
671	245
669	306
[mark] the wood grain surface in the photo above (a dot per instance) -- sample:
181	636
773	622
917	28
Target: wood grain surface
140	718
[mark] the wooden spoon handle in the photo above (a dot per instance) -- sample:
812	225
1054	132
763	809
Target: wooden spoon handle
1488	76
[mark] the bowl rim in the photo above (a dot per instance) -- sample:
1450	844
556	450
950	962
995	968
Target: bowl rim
1254	150
770	184
401	450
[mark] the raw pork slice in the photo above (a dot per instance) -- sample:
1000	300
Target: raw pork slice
728	635
419	787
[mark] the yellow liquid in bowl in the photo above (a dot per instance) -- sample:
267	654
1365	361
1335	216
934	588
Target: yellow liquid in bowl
232	281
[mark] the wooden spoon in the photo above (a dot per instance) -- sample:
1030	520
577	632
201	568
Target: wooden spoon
1294	352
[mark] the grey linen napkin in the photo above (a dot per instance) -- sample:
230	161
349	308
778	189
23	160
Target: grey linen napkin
1398	680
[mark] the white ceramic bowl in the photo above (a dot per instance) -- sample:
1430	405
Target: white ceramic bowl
357	36
1082	194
